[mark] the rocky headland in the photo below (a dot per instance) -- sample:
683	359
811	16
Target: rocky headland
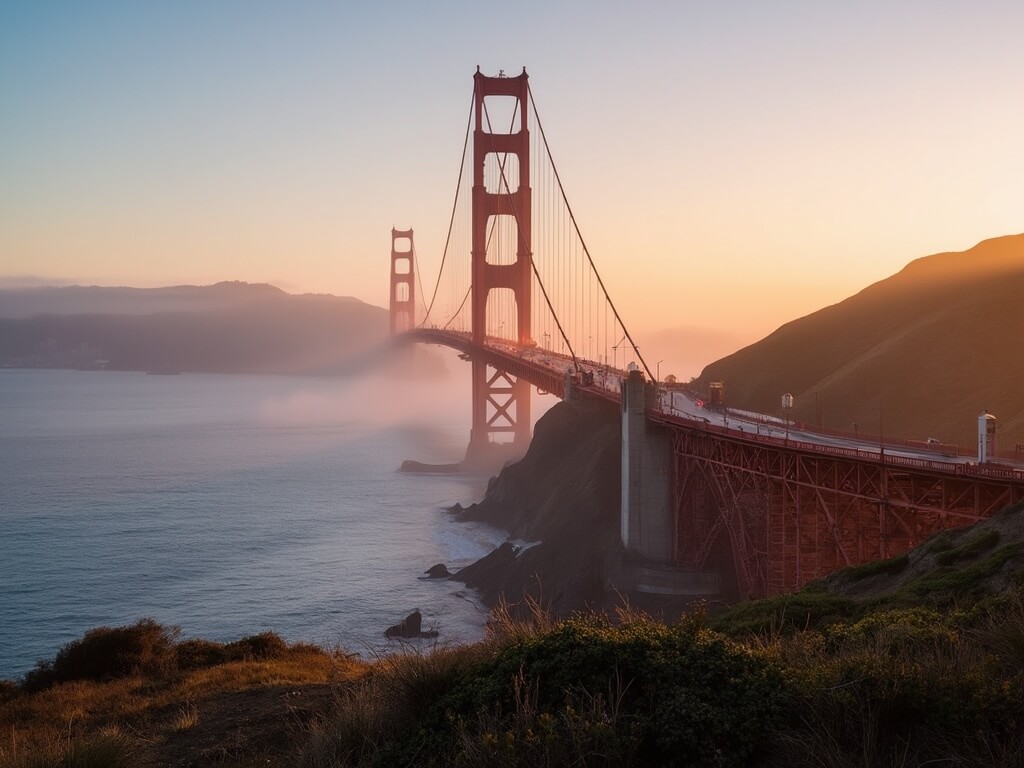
562	498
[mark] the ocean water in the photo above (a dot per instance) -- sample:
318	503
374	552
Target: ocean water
230	505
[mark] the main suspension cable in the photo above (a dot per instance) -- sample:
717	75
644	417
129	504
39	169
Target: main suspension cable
419	281
533	266
455	203
579	234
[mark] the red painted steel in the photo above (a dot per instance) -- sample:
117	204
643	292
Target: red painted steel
777	513
501	401
402	307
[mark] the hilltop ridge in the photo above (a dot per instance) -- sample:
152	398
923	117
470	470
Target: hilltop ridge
918	354
229	327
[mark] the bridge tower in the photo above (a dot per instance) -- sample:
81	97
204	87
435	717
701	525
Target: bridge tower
402	308
501	402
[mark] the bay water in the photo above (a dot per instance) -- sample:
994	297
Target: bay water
228	505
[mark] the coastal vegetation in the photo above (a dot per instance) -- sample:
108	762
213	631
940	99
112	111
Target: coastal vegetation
928	666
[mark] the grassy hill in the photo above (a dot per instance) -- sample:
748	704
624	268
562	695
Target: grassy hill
919	354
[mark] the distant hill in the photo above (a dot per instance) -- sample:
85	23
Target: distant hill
95	300
227	328
919	354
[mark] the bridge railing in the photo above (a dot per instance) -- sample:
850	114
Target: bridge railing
863	454
547	368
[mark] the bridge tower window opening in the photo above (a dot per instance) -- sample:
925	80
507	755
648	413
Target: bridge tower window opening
502	315
402	305
503	112
501	173
501	252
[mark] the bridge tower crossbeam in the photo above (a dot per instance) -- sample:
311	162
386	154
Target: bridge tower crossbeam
501	402
402	305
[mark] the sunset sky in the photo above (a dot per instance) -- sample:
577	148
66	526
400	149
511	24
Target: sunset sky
732	165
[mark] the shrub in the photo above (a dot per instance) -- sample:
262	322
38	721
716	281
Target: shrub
897	687
949	582
589	730
982	542
107	653
894	629
808	608
687	696
889	567
199	654
264	646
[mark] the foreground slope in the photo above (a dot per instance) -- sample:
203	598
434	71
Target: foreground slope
918	354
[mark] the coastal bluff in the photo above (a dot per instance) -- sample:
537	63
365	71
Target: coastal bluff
562	499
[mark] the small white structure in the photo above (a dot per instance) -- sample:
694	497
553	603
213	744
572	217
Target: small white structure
787	402
986	437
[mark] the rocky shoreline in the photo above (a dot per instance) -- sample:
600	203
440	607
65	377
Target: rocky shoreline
564	496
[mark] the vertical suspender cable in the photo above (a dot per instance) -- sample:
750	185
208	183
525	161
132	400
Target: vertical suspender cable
540	126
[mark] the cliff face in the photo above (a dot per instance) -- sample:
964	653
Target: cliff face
565	493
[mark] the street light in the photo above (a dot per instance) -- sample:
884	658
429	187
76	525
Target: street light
615	352
787	406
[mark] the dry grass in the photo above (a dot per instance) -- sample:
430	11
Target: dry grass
52	721
187	717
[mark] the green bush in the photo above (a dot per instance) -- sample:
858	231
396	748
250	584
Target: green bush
982	542
685	695
889	567
949	582
107	653
806	609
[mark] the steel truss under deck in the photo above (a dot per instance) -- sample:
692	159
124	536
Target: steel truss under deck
787	516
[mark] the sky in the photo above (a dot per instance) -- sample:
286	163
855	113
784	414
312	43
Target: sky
732	165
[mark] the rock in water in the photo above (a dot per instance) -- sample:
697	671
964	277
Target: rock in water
439	571
410	626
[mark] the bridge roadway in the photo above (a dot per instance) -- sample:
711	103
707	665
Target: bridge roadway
768	505
546	370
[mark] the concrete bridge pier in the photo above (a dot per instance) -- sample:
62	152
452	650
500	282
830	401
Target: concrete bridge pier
648	516
647	525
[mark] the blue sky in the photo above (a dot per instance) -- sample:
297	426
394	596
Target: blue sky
779	154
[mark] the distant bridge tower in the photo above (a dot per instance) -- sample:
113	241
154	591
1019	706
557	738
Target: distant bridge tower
501	403
403	282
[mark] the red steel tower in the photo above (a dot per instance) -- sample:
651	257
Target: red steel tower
403	283
501	403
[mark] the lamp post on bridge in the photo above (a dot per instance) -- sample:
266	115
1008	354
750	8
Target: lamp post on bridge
547	340
657	382
787	406
615	352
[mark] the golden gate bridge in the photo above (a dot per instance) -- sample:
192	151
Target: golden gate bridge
769	504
